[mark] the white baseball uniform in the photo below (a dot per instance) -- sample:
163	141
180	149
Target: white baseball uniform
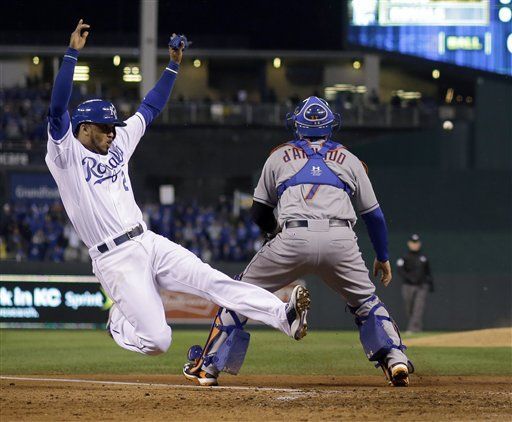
98	198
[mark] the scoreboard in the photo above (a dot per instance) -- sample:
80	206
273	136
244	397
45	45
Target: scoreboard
471	33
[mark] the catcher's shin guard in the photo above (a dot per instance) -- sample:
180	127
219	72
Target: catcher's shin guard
381	341
225	347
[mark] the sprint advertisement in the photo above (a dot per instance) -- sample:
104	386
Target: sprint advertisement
52	299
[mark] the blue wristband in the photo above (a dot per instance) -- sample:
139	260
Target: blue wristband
71	53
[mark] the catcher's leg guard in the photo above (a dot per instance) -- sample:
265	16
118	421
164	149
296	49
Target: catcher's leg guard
225	347
381	340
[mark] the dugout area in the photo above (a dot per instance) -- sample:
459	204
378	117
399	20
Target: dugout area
83	375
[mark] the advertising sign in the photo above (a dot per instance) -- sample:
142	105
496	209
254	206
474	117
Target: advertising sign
52	299
470	33
79	301
33	188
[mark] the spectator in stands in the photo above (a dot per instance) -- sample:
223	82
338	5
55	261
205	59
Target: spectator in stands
373	99
43	233
37	247
396	102
16	245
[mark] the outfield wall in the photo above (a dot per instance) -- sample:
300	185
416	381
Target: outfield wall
459	302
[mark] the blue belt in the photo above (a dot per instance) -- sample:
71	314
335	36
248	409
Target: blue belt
125	237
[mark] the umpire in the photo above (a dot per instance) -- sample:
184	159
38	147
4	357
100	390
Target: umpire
414	269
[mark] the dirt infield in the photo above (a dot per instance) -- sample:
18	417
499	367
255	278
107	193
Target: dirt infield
493	337
301	398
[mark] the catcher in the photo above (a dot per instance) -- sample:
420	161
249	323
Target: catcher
315	184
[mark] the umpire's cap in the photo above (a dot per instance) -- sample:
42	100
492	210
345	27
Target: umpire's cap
95	111
414	238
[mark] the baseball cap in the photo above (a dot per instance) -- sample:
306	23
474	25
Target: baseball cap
414	238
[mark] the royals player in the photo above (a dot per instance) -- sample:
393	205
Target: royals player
88	157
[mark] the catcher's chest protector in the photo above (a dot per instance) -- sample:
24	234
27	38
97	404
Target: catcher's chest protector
315	171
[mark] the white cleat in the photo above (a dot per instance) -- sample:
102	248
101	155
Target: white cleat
297	310
399	375
200	377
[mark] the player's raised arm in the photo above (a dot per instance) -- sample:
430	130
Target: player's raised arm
58	116
155	100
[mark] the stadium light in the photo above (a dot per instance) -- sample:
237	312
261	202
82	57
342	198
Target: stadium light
197	63
276	63
356	64
509	43
131	74
35	60
81	73
436	73
407	95
116	60
505	14
448	125
449	96
505	1
344	87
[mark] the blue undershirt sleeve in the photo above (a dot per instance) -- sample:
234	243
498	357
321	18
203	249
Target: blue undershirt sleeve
58	116
155	100
378	232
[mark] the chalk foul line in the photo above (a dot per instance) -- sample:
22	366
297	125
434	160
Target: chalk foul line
151	384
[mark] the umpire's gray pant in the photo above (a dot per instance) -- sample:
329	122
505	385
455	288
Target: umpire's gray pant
415	298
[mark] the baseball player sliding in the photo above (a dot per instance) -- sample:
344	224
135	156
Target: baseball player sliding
88	156
315	183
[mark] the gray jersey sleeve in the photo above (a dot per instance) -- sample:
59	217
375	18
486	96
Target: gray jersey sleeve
364	197
266	191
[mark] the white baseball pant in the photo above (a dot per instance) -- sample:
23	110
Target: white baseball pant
133	272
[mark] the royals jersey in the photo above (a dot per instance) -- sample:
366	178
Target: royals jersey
308	201
96	189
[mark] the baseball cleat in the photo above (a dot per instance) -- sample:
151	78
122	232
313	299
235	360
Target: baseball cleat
200	377
296	312
399	375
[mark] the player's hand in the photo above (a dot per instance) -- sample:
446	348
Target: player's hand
385	268
176	54
78	38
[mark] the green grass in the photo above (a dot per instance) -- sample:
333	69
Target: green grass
324	352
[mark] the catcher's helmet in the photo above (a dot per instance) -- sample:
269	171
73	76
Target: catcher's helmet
95	111
313	118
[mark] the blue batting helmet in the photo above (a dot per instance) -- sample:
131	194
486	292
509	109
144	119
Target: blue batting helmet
313	118
95	111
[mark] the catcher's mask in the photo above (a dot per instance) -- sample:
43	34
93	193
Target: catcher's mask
95	111
313	118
